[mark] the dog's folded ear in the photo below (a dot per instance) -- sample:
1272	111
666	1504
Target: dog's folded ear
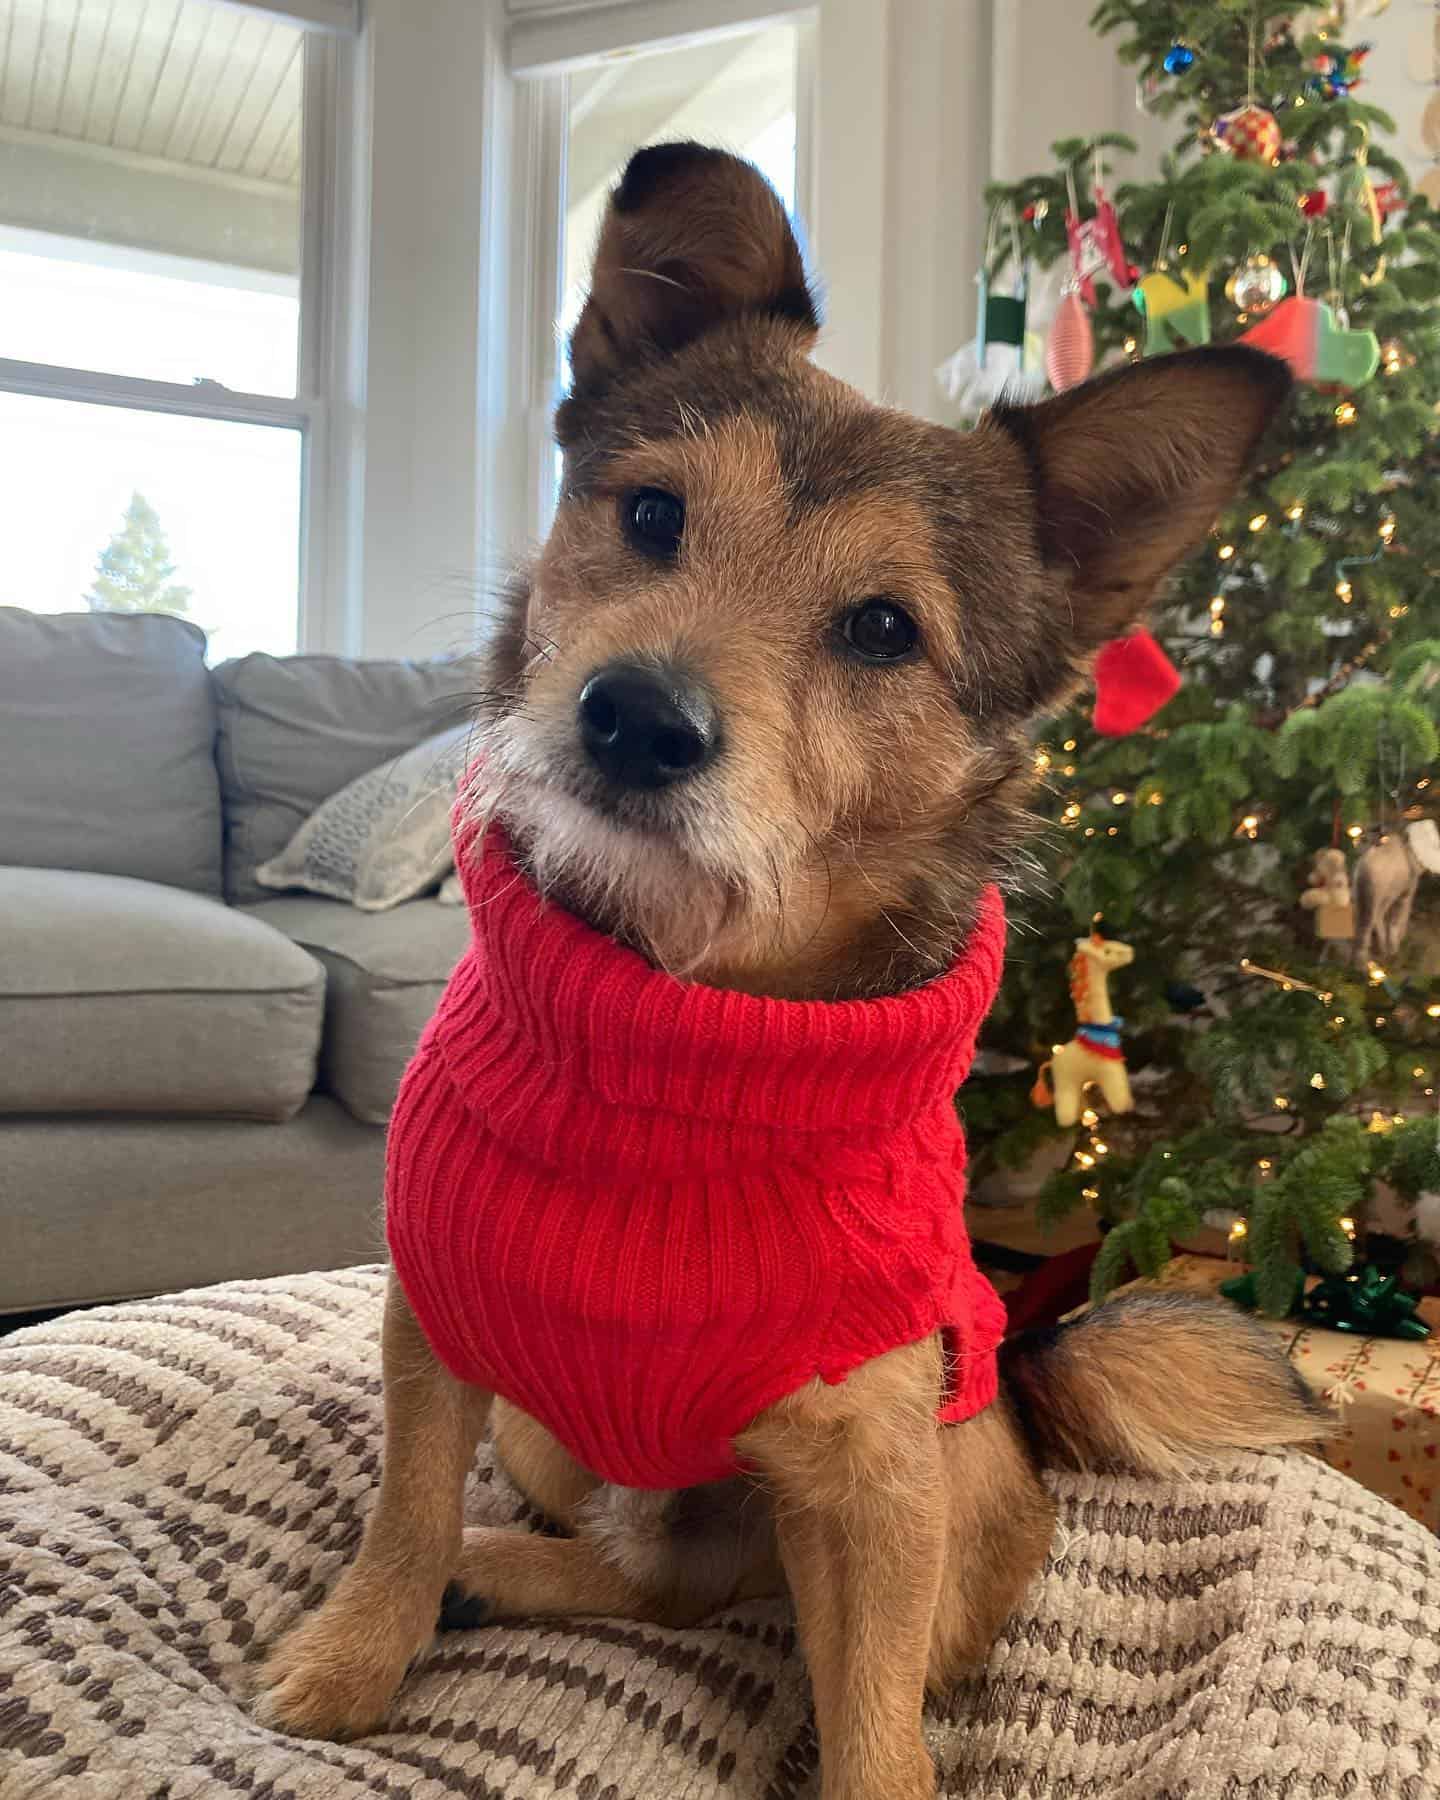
1128	473
693	238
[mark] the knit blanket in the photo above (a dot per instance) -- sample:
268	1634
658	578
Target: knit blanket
180	1478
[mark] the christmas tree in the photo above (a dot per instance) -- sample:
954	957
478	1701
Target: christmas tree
1282	1061
134	569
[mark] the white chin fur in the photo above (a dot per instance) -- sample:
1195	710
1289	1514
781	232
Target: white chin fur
652	894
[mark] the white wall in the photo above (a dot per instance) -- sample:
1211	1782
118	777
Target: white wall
919	103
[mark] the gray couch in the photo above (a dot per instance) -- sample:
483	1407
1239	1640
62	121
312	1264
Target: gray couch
194	1073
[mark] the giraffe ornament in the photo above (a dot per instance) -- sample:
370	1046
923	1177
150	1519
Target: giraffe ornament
1094	1053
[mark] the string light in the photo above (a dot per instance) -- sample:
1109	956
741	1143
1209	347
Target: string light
1377	975
1260	521
1387	527
1069	744
1085	1159
1281	1103
1238	1230
1347	1225
1119	797
1354	833
1089	831
1090	1193
1419	1074
1042	761
1090	1117
1378	1122
1317	1080
1156	798
1071	813
1295	513
1217	606
1225	552
1398	612
1264	1165
1346	413
1114	831
1344	593
1432	1012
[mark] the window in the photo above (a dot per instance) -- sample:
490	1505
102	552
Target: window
734	92
160	400
742	89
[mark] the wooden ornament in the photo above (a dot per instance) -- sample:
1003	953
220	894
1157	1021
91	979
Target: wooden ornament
1094	1053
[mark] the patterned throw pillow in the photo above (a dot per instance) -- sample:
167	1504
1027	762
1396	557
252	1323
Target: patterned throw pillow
384	838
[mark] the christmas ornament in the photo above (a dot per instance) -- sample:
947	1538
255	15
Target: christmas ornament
1304	333
1070	349
1386	879
1134	678
1179	59
1256	286
1328	897
1094	1053
1176	311
1337	72
1315	203
1250	133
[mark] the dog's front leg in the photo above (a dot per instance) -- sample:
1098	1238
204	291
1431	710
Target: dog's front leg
859	1493
336	1673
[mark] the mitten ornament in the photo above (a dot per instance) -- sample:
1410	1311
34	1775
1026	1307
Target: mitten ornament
1134	678
1306	334
1176	310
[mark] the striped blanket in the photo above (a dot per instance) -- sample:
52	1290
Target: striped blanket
180	1478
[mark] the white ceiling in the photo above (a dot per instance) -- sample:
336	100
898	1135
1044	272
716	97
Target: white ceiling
184	82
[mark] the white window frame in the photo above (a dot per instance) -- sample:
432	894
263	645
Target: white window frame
544	42
328	347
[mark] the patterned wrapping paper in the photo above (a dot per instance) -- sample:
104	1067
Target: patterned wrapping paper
1387	1393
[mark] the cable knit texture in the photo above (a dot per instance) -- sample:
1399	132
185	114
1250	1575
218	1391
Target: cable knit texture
645	1210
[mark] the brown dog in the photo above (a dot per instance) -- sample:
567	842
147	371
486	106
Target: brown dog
874	609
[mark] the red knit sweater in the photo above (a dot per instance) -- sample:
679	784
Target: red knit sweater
646	1210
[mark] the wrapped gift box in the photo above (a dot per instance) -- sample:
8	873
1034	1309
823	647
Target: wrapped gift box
1386	1391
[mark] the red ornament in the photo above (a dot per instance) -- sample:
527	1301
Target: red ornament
1028	213
1070	349
1315	204
1134	678
1250	133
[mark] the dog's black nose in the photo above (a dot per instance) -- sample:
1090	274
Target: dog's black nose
646	727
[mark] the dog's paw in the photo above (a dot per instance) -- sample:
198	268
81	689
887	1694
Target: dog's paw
462	1611
331	1677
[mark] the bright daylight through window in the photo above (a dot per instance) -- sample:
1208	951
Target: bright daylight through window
736	92
150	233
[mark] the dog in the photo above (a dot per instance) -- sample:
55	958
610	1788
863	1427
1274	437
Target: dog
758	723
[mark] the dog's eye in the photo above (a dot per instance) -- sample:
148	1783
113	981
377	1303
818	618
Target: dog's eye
654	521
880	631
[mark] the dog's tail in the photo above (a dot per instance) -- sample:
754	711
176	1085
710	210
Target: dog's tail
1157	1384
1041	1094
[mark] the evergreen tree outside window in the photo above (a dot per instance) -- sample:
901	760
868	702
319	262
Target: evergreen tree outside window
134	570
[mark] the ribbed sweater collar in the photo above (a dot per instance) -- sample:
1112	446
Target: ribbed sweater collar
609	1028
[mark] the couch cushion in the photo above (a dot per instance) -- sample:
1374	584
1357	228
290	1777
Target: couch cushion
296	729
383	976
107	743
125	996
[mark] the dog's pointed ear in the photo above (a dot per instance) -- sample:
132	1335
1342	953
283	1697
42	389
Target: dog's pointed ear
1127	475
692	238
